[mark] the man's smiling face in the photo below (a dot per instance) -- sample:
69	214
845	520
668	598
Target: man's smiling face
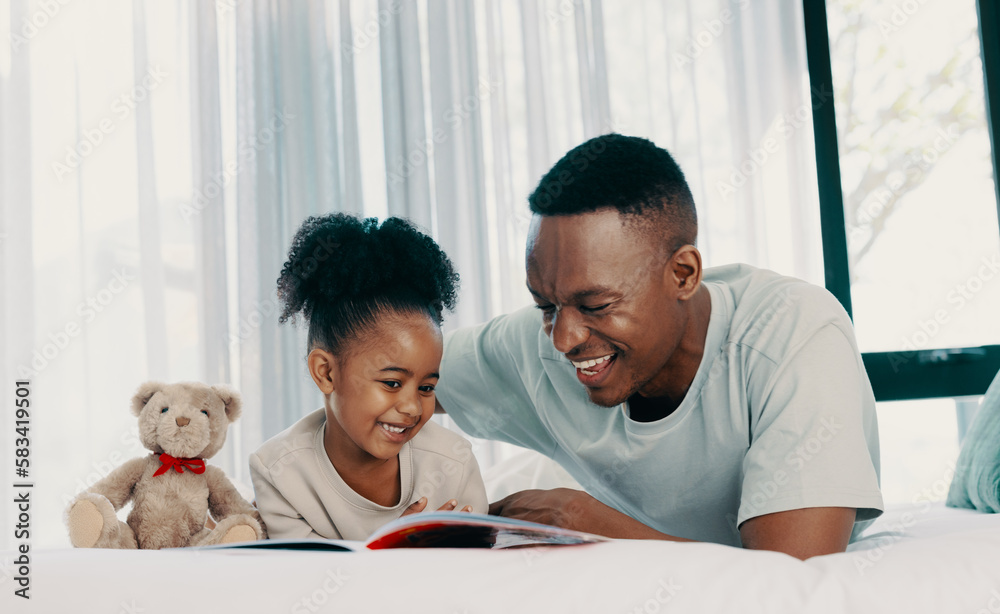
608	298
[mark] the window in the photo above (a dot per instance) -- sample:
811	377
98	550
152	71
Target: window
908	198
906	171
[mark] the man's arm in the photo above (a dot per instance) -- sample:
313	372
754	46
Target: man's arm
486	380
576	510
802	533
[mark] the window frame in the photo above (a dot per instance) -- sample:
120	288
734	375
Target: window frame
899	375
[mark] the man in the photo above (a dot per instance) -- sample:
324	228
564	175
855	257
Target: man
727	405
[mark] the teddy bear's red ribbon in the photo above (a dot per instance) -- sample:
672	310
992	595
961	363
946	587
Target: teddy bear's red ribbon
196	465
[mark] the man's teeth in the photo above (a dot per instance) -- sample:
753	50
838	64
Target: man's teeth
586	365
591	363
392	429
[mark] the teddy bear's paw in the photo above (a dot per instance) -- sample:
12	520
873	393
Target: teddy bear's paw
93	523
241	533
232	529
86	523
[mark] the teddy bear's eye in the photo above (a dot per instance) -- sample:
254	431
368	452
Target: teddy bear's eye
164	410
204	411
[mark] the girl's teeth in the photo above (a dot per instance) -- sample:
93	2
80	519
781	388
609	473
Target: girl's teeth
392	429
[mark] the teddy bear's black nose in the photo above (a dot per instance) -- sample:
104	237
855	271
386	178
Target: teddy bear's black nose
183	421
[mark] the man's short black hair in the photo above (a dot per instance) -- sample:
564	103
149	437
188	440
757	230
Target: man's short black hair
630	174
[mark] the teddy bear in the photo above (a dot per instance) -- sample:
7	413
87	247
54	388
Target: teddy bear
172	490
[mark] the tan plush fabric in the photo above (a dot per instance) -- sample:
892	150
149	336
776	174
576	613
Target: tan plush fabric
184	420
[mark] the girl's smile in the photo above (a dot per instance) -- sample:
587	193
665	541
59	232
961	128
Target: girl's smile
380	393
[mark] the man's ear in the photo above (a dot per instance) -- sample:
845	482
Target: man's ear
231	399
144	394
684	271
323	369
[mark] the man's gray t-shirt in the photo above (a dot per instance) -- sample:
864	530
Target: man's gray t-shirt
780	414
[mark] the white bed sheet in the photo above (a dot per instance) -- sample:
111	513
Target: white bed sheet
922	558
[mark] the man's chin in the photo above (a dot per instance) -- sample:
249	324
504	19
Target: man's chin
613	396
606	398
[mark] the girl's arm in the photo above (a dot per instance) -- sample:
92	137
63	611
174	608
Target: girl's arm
281	519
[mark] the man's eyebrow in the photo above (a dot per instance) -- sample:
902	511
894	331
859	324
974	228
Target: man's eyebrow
580	296
407	372
599	291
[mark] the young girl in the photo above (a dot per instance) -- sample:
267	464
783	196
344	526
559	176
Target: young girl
373	297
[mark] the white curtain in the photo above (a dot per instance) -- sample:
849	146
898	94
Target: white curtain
157	158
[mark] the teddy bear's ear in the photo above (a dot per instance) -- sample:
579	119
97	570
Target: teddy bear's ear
232	400
144	394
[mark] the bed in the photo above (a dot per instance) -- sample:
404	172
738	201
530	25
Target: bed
917	558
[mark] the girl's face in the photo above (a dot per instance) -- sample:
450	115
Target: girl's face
383	388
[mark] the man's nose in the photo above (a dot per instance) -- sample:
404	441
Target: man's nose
568	330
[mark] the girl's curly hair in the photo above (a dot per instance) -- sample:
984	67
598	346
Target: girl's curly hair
343	273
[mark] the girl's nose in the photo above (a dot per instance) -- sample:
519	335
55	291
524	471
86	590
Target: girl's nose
410	406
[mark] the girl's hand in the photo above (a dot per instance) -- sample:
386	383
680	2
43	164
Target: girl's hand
418	506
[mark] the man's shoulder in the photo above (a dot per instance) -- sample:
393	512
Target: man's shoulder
521	324
768	308
295	439
515	335
751	284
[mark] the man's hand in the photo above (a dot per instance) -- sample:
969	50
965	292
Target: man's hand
559	507
418	506
574	509
802	533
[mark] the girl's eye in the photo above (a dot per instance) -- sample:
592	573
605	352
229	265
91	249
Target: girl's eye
204	411
427	389
392	384
164	410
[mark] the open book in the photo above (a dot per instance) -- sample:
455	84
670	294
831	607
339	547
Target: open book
441	530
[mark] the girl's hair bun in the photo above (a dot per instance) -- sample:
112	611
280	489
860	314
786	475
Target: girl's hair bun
343	272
